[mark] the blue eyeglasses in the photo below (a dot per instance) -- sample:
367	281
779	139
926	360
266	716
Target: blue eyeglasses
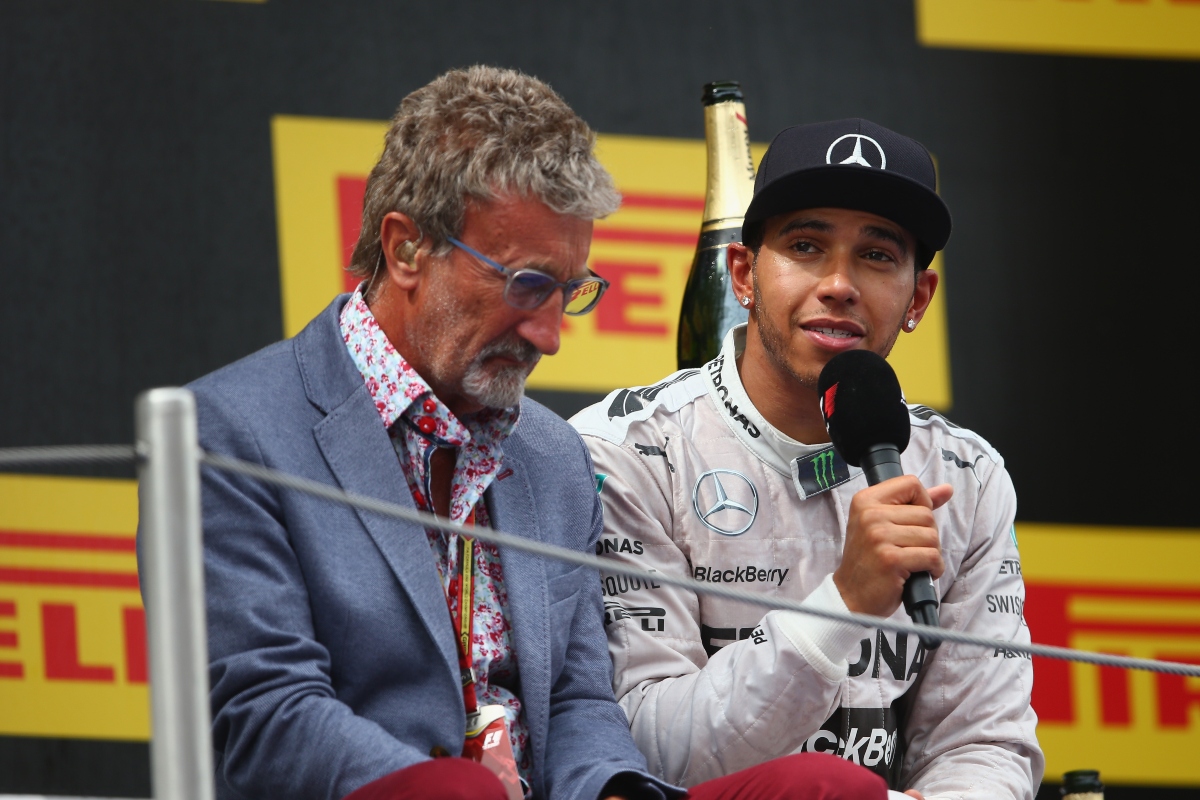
529	288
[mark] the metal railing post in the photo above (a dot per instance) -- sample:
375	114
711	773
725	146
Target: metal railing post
181	762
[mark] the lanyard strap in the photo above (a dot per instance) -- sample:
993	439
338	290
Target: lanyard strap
462	588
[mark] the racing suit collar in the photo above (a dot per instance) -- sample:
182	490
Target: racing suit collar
772	446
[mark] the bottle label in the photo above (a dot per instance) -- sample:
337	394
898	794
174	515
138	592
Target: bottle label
730	166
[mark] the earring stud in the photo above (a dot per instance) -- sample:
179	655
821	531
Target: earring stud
912	323
745	301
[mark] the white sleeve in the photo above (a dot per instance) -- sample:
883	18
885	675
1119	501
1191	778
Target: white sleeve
697	717
970	733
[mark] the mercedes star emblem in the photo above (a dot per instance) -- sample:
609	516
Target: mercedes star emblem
721	511
857	156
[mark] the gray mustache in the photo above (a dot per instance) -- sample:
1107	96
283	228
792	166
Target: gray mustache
515	348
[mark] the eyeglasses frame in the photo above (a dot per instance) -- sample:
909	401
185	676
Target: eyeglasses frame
566	286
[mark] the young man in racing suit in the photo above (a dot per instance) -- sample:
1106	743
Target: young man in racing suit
725	474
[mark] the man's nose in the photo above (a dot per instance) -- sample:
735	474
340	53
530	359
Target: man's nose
541	325
838	283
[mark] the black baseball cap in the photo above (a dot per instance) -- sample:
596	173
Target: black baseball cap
856	164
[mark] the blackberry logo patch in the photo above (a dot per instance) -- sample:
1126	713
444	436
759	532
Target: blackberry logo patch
869	737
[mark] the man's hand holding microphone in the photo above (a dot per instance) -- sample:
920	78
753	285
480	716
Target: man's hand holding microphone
892	552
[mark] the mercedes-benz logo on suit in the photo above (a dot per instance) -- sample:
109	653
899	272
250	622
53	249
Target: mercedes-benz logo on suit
726	506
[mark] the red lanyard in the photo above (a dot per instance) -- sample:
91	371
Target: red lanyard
462	587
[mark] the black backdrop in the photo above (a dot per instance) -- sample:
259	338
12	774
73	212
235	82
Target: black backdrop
138	240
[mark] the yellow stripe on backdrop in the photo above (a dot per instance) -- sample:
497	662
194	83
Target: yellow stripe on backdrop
72	631
645	250
1139	28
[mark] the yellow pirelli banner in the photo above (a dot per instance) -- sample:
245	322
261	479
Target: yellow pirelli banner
73	646
1127	592
1150	28
644	250
72	629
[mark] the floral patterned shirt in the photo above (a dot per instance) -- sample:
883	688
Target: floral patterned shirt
418	423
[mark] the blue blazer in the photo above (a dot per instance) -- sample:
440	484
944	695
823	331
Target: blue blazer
332	656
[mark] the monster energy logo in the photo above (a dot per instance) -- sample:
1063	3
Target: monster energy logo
819	472
823	469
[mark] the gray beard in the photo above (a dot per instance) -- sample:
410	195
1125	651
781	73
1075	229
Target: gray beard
503	388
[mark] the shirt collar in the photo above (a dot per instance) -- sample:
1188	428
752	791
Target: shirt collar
771	445
396	388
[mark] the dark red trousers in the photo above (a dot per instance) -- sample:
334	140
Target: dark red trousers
436	779
806	776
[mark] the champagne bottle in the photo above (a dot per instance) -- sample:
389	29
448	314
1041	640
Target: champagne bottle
709	308
1082	784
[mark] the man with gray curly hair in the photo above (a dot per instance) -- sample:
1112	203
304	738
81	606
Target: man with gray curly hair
350	651
481	161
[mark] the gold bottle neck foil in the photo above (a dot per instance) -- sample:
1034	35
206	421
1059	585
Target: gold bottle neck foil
730	165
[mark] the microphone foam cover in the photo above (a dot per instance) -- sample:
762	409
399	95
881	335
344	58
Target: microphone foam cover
862	404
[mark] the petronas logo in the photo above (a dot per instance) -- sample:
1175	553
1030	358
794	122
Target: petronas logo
823	469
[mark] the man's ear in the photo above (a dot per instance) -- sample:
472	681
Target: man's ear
400	237
927	281
741	272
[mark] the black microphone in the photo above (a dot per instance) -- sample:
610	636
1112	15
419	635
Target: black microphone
867	421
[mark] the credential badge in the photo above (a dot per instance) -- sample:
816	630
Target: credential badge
726	505
857	156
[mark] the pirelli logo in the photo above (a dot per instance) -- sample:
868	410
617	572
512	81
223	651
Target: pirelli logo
72	629
1121	591
1146	621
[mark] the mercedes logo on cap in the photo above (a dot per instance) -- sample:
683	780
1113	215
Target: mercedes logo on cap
726	505
855	157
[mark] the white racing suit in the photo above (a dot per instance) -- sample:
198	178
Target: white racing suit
695	482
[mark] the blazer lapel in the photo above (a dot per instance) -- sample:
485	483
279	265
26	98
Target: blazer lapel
360	454
511	503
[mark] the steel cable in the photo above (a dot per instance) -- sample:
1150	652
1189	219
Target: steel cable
77	454
67	454
383	508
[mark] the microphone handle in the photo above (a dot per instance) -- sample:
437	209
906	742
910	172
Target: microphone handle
881	463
